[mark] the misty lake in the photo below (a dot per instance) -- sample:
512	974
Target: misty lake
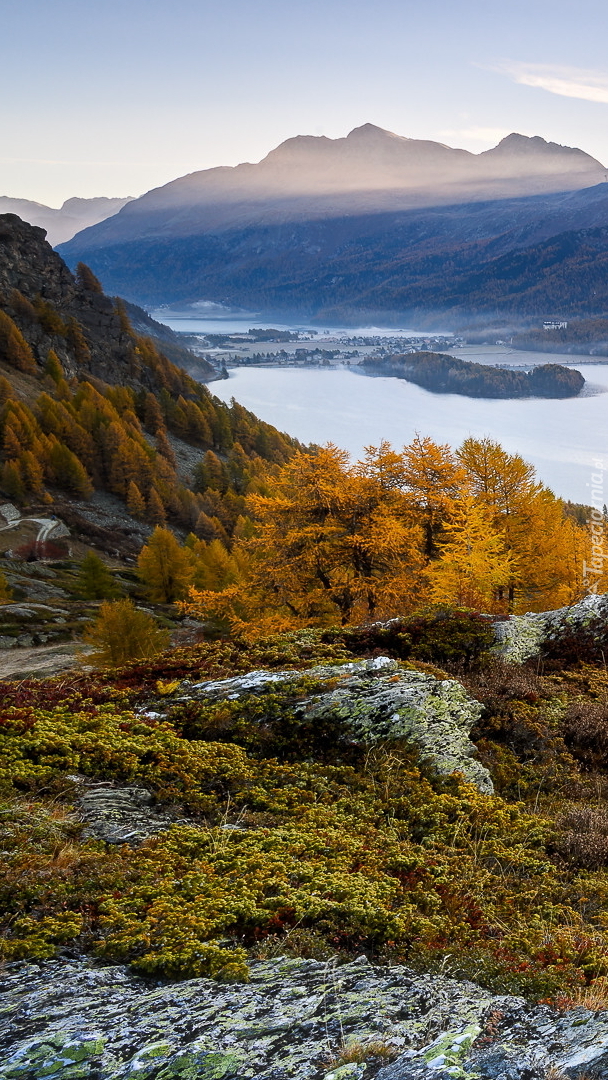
562	438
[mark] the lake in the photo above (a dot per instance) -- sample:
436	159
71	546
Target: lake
240	324
562	438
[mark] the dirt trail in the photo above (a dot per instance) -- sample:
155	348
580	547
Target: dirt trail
41	661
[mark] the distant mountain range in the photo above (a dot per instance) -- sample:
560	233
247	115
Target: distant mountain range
64	223
372	225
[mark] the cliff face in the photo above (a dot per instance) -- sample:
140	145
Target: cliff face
84	327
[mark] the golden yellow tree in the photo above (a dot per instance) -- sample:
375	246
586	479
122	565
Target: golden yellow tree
122	633
164	568
333	544
136	504
547	547
14	349
473	567
156	510
5	590
434	478
216	568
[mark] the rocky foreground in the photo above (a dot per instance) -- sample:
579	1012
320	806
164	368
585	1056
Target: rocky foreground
296	1018
300	1019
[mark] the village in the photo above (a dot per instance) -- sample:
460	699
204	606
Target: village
310	348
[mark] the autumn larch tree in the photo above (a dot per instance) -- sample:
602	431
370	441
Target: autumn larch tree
333	544
433	478
156	510
136	504
122	633
87	280
473	567
164	568
14	349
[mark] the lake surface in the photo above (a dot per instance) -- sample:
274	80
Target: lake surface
562	438
192	324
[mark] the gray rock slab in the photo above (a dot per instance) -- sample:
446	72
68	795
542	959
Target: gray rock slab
62	1020
122	814
522	637
378	700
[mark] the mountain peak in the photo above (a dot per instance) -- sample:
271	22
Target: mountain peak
533	145
369	171
367	131
515	141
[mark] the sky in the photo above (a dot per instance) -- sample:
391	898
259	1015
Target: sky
114	97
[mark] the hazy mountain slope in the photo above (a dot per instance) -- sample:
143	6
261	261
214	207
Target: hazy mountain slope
64	223
369	171
382	265
324	225
566	274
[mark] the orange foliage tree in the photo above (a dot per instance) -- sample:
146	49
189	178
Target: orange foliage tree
339	543
333	544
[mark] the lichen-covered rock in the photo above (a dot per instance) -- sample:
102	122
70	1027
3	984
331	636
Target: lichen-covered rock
376	700
121	814
295	1020
522	637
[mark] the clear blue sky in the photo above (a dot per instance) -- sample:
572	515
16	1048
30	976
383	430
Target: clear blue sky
113	97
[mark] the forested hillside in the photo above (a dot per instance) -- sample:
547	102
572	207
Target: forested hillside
87	404
511	257
449	375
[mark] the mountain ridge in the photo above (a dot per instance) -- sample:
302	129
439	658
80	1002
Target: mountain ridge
63	223
370	170
347	228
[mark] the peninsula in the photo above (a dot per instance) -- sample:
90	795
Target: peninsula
445	374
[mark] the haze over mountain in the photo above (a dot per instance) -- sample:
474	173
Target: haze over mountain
324	226
63	223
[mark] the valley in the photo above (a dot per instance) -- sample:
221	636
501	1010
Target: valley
302	663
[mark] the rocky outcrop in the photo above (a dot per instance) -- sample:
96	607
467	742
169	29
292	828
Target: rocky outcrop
523	637
30	267
121	814
374	701
295	1020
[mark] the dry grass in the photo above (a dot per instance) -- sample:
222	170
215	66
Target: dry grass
361	1052
555	1073
586	732
584	839
593	997
497	683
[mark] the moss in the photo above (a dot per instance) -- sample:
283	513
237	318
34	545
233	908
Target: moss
292	827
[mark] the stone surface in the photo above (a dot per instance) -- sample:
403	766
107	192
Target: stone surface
41	662
121	814
522	637
376	700
294	1020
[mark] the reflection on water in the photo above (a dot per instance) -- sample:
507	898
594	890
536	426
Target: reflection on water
561	438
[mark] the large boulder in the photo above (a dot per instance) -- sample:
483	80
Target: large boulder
371	701
524	637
